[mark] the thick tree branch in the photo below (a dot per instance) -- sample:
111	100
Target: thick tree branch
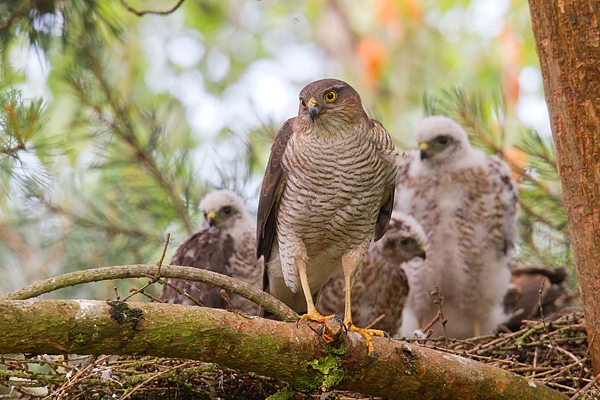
295	354
265	300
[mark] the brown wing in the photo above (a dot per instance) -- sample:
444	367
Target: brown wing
206	249
385	213
524	299
270	193
383	139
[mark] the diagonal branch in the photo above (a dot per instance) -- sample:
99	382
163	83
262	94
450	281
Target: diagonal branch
122	126
16	243
109	227
10	151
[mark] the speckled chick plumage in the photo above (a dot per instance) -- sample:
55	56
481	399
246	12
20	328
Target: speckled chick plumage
466	203
381	286
225	244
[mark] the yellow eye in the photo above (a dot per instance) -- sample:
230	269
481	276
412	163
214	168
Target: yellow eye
330	96
302	104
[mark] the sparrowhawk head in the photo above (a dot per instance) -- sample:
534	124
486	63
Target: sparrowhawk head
441	140
330	102
404	239
222	209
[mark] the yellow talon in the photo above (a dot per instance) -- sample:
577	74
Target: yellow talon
316	317
367	333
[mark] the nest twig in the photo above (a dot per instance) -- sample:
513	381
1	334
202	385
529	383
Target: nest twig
554	353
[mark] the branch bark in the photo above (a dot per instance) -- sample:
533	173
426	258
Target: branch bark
265	300
295	354
567	35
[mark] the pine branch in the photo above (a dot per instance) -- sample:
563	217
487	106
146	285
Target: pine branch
541	218
10	151
89	223
16	243
121	125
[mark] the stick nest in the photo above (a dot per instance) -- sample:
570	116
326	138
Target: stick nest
554	353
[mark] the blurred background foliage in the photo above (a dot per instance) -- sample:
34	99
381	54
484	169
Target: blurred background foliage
114	125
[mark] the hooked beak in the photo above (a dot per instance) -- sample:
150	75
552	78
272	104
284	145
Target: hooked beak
211	216
313	109
424	147
422	252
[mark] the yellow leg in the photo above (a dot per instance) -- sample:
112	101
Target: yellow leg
351	262
311	312
477	327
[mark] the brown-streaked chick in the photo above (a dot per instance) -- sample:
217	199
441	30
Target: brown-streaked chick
327	191
531	288
381	286
466	202
225	244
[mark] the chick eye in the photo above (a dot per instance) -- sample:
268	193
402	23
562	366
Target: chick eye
330	96
205	215
302	104
443	140
227	210
404	241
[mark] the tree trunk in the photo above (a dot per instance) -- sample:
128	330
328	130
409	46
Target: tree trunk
297	355
567	35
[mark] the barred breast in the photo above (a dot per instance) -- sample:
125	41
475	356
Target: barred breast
332	198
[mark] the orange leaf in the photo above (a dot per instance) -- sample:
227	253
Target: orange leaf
414	9
511	48
510	87
373	55
516	159
387	11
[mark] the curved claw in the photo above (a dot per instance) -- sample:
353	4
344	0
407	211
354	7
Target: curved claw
388	336
367	333
314	316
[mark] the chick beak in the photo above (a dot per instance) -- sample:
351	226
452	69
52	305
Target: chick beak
424	147
212	218
313	108
422	252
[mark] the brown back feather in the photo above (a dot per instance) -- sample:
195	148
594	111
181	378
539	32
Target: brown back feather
270	193
206	249
383	140
385	213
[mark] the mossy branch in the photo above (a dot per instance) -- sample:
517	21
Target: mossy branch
265	300
293	353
